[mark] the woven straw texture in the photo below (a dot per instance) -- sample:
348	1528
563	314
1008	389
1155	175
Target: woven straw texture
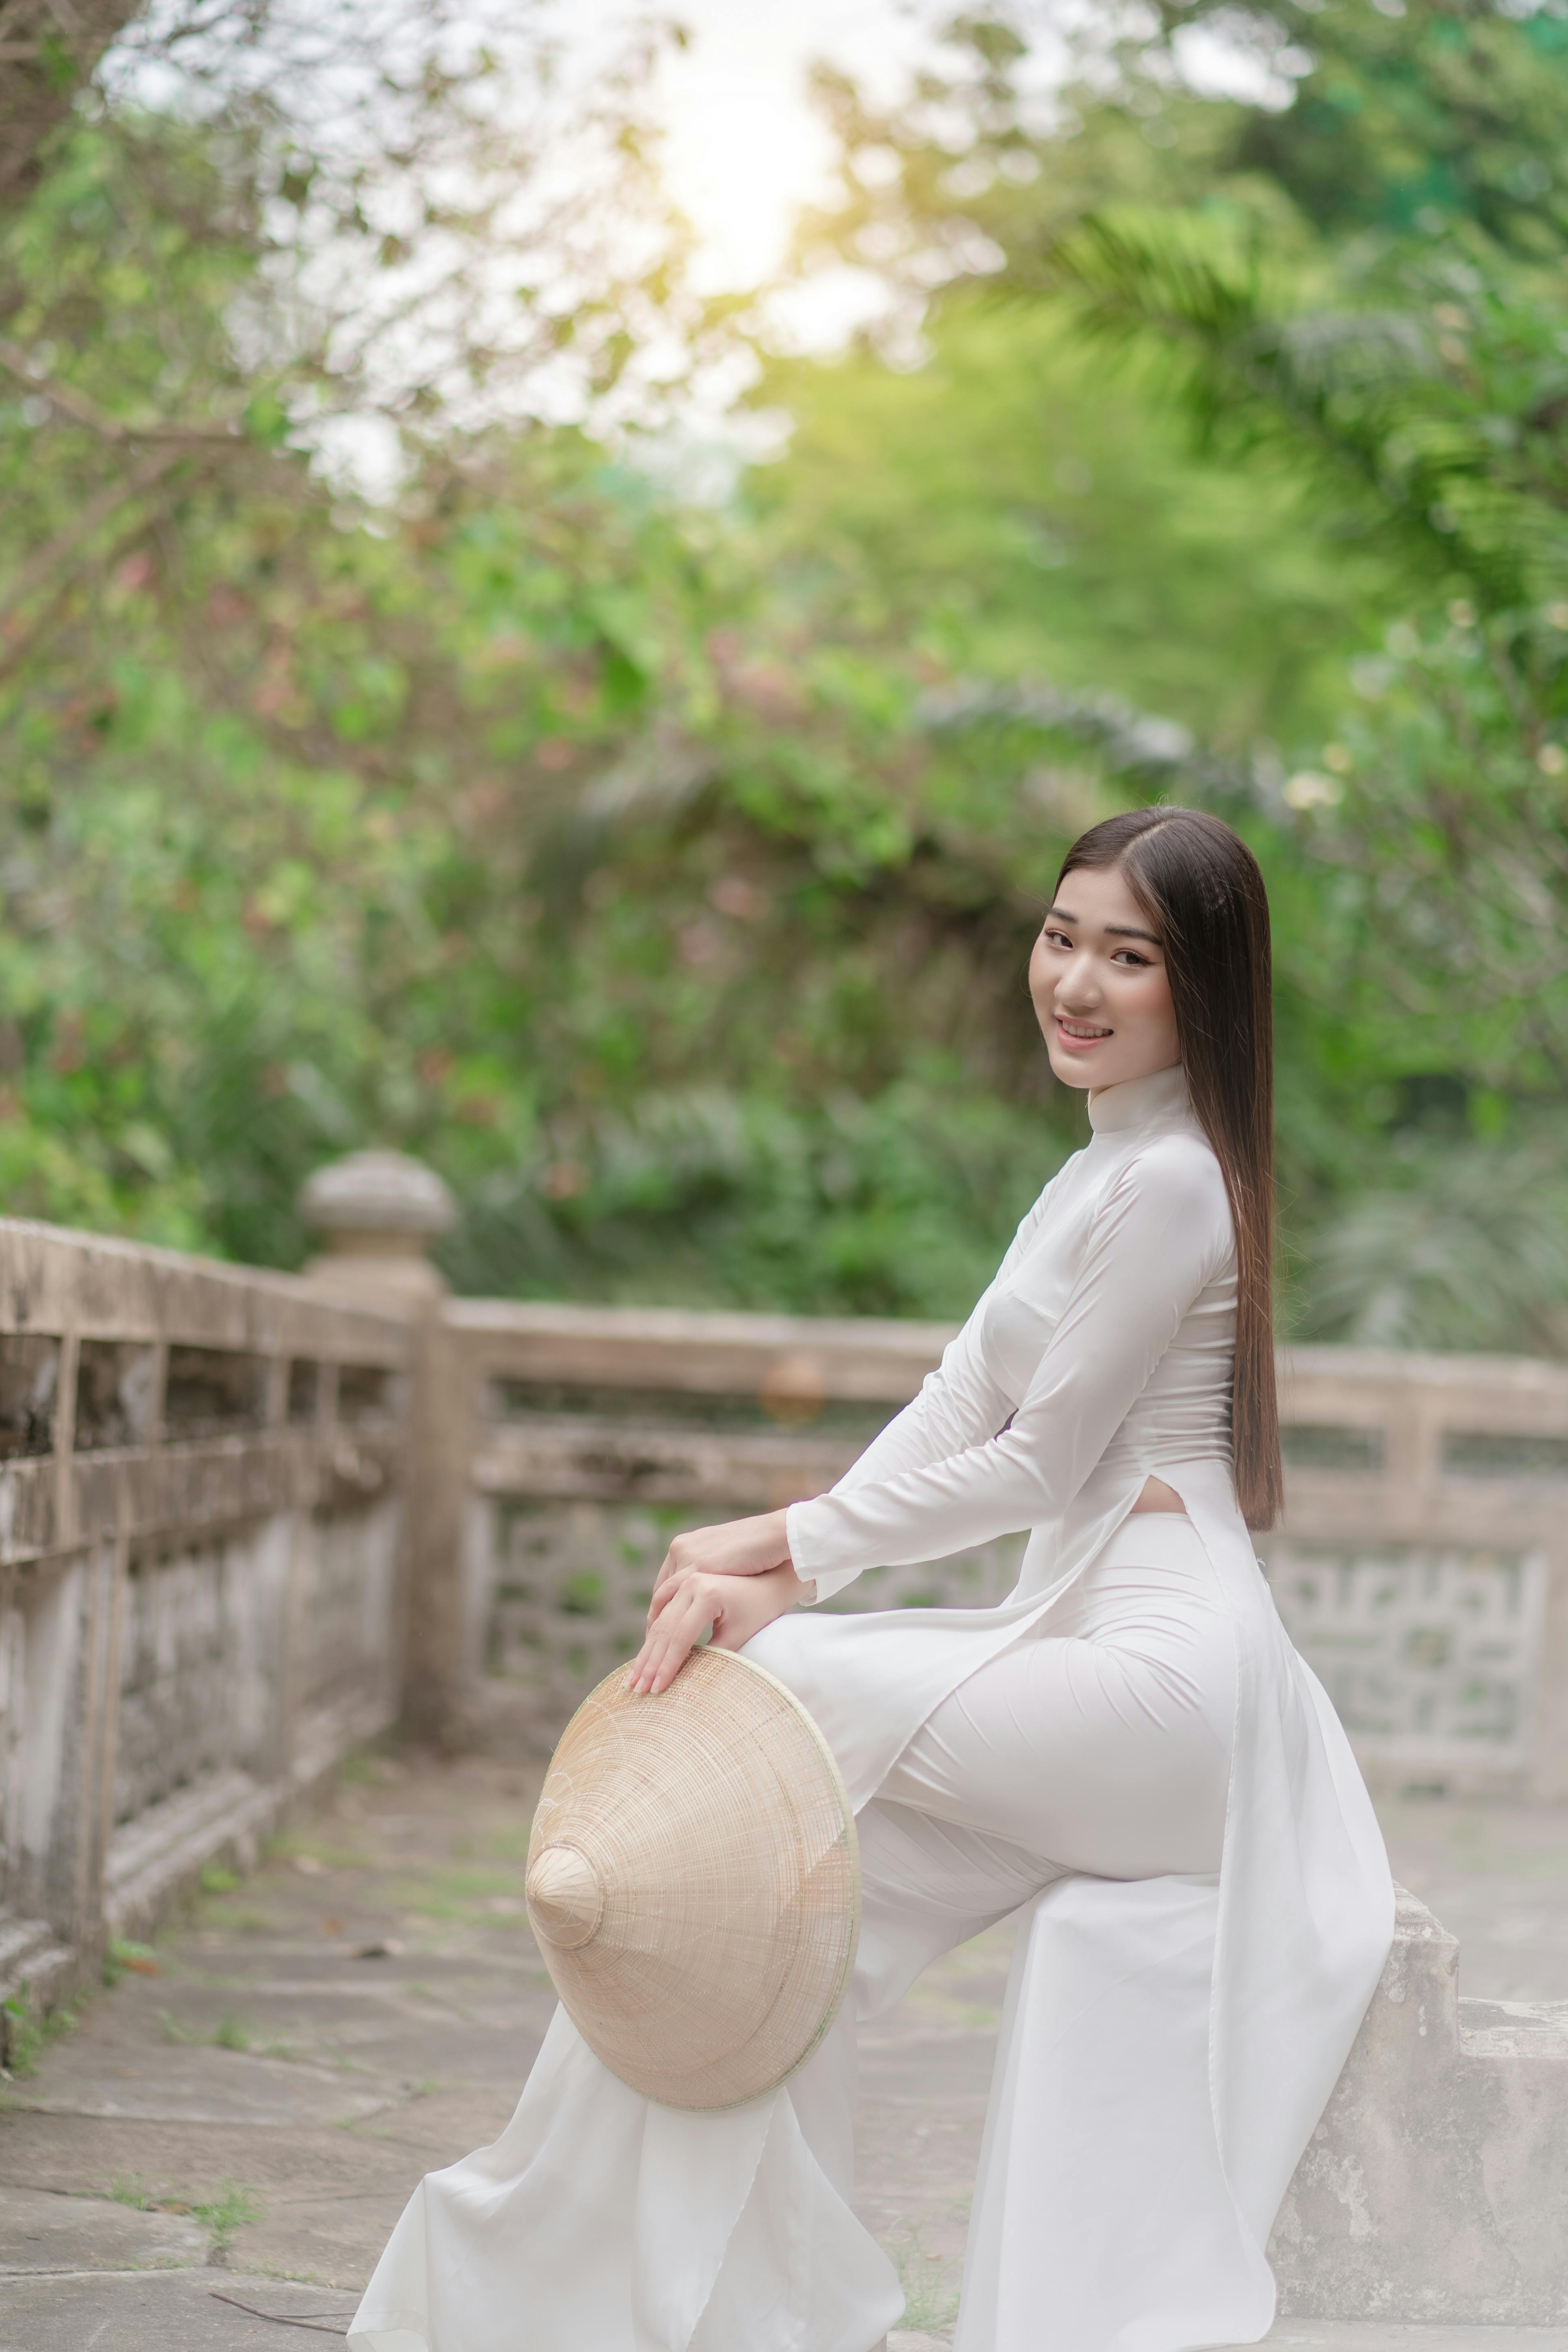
694	1881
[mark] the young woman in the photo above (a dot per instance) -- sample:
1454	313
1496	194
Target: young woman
1128	1752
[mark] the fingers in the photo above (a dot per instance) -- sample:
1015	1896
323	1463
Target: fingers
734	1607
677	1562
675	1580
659	1661
681	1619
671	1584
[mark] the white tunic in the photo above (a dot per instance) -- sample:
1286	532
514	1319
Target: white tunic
1170	2042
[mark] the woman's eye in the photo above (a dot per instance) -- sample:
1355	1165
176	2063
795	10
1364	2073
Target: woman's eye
1130	955
1057	939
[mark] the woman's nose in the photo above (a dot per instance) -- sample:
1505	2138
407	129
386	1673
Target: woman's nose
1076	985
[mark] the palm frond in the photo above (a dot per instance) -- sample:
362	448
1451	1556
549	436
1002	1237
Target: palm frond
1362	394
1472	1252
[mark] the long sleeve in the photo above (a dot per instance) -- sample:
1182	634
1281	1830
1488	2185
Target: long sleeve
958	1404
1161	1232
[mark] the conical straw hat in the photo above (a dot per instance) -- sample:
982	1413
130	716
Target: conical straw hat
694	1881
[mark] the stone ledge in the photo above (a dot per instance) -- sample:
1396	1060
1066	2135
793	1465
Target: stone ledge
154	1858
33	1962
157	1858
1433	2190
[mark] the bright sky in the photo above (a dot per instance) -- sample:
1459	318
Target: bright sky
745	147
745	150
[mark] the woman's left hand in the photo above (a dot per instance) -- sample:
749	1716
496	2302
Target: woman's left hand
687	1602
734	1548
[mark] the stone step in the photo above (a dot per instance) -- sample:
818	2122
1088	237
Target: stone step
1344	2336
191	2310
167	1846
1388	2336
32	1962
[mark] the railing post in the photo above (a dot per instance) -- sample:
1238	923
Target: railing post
379	1212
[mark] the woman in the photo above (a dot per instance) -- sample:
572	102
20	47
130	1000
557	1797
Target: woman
1128	1752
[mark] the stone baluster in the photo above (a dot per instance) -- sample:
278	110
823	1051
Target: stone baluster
378	1213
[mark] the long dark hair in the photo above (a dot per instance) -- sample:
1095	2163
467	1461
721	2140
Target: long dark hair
1201	890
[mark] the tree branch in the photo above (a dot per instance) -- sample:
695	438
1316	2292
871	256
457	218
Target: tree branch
109	500
113	429
21	646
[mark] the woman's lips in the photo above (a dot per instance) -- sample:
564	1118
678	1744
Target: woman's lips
1076	1042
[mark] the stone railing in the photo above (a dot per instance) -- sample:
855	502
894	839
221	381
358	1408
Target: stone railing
201	1558
233	1505
1422	1565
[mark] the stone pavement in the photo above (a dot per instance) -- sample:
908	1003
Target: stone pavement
212	2158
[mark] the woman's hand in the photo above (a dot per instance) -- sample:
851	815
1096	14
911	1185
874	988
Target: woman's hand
734	1548
690	1600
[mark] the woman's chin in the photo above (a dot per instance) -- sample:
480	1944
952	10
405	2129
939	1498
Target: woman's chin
1076	1069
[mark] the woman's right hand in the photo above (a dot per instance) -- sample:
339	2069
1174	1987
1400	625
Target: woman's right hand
691	1599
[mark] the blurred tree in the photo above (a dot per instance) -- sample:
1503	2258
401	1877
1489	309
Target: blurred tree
1405	120
1350	282
484	818
390	762
47	54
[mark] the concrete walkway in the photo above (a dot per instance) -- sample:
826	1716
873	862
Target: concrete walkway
238	2121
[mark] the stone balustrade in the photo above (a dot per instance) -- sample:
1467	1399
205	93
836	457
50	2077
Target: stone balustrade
1421	1564
246	1519
202	1561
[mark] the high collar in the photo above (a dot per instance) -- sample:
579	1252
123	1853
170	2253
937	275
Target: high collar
1141	1102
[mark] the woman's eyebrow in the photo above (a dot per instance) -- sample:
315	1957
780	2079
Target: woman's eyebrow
1112	930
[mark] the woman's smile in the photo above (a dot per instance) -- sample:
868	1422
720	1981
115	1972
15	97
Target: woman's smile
1077	1034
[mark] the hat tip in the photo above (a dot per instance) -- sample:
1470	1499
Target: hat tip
565	1900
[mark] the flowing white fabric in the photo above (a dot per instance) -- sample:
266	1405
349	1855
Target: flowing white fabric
1176	2016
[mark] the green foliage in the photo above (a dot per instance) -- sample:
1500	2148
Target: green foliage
1469	1250
28	2030
124	1956
1436	411
129	2188
665	872
1016	507
232	2209
1348	292
1408	121
899	1203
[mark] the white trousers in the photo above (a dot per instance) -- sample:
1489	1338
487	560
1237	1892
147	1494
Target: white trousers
599	2222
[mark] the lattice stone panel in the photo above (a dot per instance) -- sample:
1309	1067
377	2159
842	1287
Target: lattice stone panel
201	1662
570	1586
13	1728
349	1572
1428	1653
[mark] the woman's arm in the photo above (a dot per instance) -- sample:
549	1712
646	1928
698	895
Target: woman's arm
1160	1236
958	1404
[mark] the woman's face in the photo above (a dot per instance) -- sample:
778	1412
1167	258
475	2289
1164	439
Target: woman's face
1101	991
